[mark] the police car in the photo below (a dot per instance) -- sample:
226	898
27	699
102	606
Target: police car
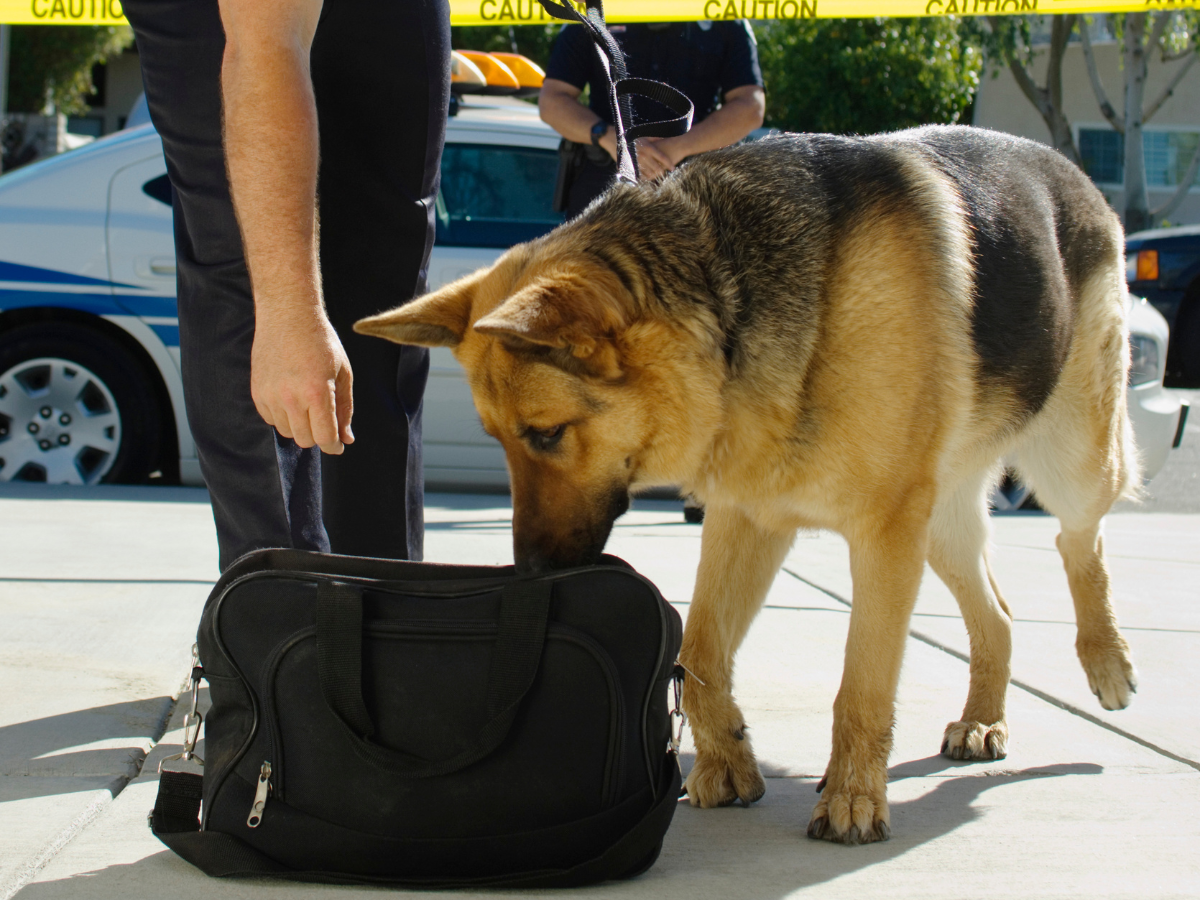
90	386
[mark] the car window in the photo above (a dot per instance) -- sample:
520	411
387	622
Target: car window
159	188
495	196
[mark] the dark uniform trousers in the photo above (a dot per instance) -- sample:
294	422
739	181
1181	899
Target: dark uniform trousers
380	72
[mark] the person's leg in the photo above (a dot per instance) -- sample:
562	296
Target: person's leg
265	490
381	73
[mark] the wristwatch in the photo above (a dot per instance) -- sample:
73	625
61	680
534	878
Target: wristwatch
599	130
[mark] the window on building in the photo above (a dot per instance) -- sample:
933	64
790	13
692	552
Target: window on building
1168	154
495	196
1103	154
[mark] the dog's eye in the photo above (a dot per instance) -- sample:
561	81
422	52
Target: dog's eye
545	438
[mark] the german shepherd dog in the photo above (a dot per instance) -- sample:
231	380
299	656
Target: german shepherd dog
819	332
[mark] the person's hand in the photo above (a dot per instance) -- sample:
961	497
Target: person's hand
653	161
300	380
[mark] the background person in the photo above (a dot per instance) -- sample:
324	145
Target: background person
352	98
711	62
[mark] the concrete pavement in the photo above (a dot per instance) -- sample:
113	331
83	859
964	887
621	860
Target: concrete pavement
100	592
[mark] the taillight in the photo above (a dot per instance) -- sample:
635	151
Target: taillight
1147	265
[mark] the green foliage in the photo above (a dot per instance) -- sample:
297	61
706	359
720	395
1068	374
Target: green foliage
859	76
58	59
1004	37
534	41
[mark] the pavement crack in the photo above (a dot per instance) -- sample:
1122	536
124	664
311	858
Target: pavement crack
26	873
1028	688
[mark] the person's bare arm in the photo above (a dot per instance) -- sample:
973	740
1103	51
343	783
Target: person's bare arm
739	114
559	107
300	377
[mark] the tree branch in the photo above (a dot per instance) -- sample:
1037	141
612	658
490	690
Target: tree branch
1170	88
1106	107
1161	21
1060	33
1171	57
1020	74
1189	177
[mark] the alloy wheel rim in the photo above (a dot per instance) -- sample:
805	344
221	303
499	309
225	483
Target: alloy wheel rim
59	423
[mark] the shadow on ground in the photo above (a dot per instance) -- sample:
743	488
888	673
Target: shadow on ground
760	853
39	757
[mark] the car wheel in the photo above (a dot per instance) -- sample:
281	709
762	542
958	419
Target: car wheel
75	408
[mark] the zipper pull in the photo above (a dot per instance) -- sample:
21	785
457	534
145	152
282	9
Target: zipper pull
260	795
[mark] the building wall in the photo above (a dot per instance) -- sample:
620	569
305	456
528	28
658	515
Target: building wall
124	85
1001	106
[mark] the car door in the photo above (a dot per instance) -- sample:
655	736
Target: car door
494	194
141	246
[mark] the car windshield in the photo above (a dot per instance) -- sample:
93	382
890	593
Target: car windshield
495	195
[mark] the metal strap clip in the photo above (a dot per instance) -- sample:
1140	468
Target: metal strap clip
678	716
193	720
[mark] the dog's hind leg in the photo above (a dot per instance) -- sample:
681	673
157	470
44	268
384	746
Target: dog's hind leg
958	554
738	561
1069	483
887	560
1079	459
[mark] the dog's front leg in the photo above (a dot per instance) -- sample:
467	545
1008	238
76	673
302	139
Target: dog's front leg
886	566
738	561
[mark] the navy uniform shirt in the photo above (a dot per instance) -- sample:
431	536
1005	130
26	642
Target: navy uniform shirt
704	60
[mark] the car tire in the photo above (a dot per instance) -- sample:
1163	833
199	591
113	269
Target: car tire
76	407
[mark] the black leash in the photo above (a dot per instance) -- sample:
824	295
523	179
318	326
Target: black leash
621	87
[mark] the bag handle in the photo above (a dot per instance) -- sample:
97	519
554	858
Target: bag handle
621	87
524	614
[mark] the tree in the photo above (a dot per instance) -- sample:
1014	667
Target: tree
1173	36
53	63
1009	38
859	76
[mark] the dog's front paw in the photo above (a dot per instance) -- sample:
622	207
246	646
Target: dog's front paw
849	816
1110	673
722	775
975	740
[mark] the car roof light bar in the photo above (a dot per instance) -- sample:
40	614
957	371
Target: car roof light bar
465	75
500	78
476	72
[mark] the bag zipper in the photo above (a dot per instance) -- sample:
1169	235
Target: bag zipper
260	795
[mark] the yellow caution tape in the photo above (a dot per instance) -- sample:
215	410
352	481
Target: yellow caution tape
62	12
530	12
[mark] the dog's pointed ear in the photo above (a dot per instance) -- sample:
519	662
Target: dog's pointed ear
435	320
561	315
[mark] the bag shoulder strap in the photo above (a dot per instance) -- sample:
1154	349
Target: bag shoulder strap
175	820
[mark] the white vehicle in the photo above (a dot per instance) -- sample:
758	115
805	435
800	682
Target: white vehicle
90	388
1157	416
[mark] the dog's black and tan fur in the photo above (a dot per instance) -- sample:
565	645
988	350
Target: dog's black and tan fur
819	332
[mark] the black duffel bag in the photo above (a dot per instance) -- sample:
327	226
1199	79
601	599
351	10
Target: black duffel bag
414	724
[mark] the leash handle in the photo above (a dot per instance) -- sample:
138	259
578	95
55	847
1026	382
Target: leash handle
621	87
